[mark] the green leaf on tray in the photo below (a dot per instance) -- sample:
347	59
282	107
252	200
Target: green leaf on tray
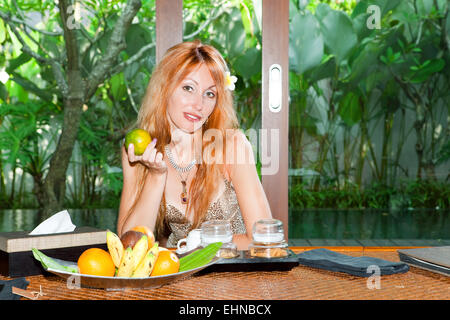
50	263
199	257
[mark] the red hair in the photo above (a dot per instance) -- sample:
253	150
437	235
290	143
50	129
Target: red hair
176	64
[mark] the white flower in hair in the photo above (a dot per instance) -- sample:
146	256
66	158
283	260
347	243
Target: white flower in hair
230	81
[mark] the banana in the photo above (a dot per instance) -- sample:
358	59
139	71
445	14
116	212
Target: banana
115	247
139	251
155	249
145	268
126	264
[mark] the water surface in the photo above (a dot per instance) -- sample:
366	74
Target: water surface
369	224
303	224
28	219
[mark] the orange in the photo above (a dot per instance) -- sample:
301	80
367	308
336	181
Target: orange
139	138
166	263
97	262
146	230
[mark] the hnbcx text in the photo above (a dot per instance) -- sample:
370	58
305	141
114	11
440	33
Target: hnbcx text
226	309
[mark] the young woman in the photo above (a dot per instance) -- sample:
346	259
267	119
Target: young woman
186	176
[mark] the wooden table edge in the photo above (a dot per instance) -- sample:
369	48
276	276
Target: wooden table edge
297	249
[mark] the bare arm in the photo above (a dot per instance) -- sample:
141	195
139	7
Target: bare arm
249	191
146	210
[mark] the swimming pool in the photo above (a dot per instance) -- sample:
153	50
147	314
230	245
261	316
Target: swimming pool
28	219
369	224
303	224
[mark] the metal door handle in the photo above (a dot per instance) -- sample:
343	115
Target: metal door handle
275	88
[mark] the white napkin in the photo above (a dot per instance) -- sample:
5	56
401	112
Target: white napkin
57	223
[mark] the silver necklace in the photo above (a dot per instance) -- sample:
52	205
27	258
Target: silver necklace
180	170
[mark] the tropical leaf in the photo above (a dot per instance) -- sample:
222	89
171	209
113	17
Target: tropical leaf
384	5
137	37
327	69
2	32
306	44
338	33
231	33
422	73
349	108
249	63
118	88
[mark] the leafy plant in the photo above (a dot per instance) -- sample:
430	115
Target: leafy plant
27	140
367	105
349	109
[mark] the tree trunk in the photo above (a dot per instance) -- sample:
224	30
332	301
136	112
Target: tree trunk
3	193
38	189
76	91
386	146
79	90
322	152
429	168
55	182
418	126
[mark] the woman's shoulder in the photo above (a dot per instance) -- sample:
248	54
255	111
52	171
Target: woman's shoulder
238	150
237	138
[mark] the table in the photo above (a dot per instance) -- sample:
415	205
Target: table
300	283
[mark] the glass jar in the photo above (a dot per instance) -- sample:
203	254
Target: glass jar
268	231
228	251
219	231
268	239
216	231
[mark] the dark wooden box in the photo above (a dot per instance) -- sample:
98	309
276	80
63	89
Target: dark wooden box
16	257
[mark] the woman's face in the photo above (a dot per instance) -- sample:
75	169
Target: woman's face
193	100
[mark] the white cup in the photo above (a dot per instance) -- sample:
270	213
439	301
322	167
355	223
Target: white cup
192	241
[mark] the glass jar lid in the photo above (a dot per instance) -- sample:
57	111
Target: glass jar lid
216	231
268	231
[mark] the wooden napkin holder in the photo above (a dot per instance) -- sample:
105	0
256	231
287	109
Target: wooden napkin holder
16	257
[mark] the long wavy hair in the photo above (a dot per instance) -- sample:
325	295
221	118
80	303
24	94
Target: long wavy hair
176	64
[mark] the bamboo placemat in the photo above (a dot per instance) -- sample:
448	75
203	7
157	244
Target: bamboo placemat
299	283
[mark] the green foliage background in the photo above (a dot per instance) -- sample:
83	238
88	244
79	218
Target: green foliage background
360	98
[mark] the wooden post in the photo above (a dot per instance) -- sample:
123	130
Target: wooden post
275	109
169	25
